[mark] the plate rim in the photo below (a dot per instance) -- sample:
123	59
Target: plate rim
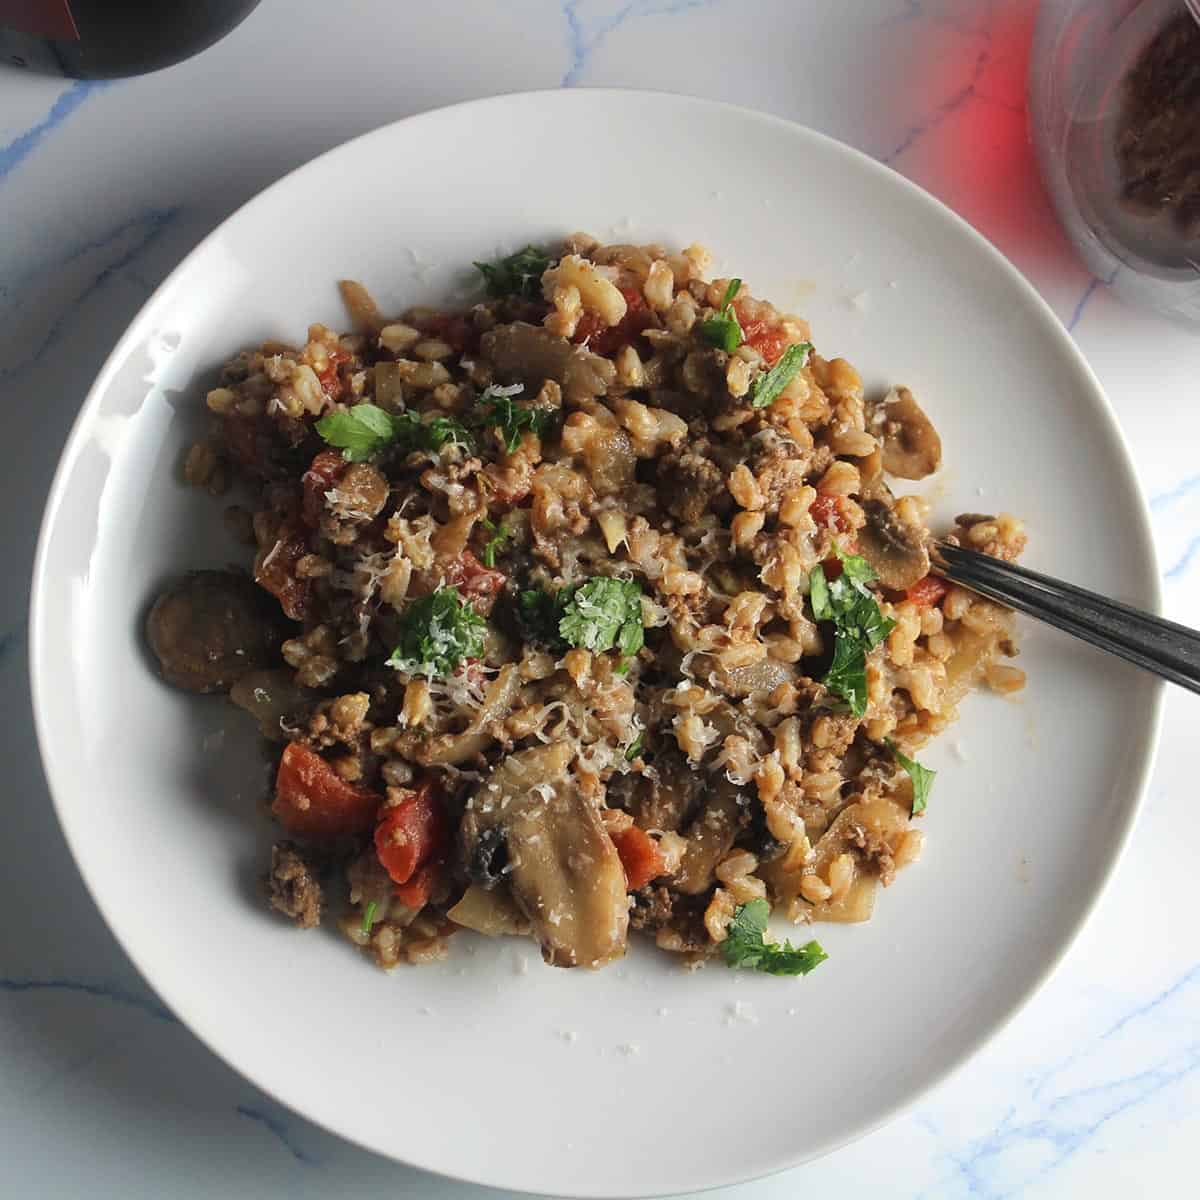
178	1002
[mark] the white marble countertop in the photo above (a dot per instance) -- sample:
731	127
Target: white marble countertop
1093	1090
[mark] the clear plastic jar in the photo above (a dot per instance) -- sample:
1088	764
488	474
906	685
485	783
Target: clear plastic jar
1114	107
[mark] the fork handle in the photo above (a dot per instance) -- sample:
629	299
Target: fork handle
1164	647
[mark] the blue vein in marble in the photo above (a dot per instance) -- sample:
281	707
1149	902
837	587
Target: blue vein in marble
145	229
1086	298
1039	1144
1187	490
20	148
584	37
1183	491
914	10
278	1127
1181	566
943	110
146	1003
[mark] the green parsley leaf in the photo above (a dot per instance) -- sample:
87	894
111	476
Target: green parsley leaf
497	407
746	947
922	778
413	433
365	429
863	621
858	623
847	674
855	569
818	594
369	916
437	632
635	747
603	613
519	274
767	386
724	330
358	432
500	534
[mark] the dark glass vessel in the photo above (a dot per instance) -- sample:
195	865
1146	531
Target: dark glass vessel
103	39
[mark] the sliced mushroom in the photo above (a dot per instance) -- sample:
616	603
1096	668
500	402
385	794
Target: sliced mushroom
456	748
710	837
273	698
912	448
666	800
896	551
209	629
764	676
530	355
563	871
784	877
491	913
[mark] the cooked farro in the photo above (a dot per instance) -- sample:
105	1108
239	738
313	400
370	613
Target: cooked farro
583	609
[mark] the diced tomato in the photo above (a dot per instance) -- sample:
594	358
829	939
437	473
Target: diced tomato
331	381
607	339
412	833
416	892
477	583
767	338
275	570
640	856
314	801
829	513
454	329
320	477
928	591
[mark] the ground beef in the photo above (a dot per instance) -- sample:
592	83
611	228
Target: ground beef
779	466
652	908
659	908
292	885
693	485
876	853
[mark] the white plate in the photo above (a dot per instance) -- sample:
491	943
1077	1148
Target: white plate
641	1079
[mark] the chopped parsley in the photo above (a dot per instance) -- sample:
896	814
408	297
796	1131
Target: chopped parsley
635	747
724	330
414	434
603	614
358	432
599	614
369	916
497	407
746	946
519	274
858	624
767	387
437	633
922	778
500	534
364	430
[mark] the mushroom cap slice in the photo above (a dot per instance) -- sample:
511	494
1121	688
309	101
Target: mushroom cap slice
563	870
896	551
210	628
528	354
912	448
